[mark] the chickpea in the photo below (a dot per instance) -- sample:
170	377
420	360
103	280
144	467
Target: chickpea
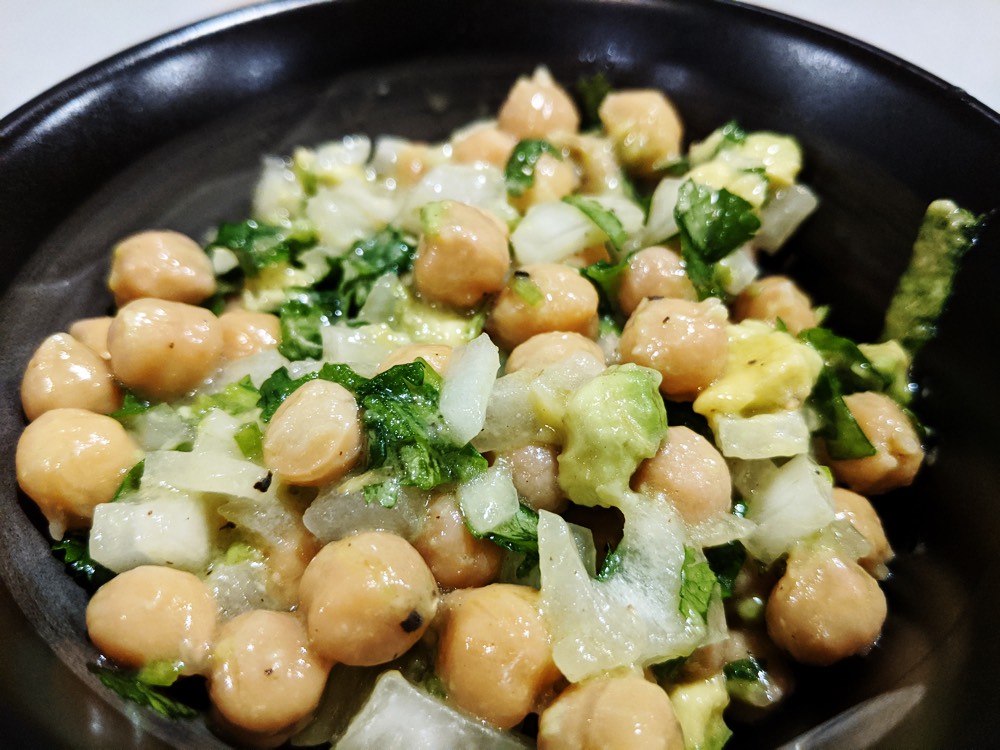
686	342
314	437
535	471
367	598
153	613
645	128
537	107
412	162
462	255
824	608
457	559
164	349
898	451
93	332
773	298
545	349
690	473
265	680
619	712
554	179
436	355
856	509
245	332
568	303
161	264
69	460
484	145
494	655
654	272
64	372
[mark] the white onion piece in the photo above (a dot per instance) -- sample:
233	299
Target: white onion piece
202	472
782	216
488	500
552	231
738	269
479	185
336	513
348	212
783	433
279	194
364	347
468	382
661	224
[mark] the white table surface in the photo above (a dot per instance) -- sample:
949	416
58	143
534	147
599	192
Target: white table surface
43	42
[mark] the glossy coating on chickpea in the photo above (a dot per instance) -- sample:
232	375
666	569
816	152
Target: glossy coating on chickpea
462	254
69	460
615	712
534	470
63	372
93	332
457	559
645	127
163	349
494	656
161	264
538	107
245	332
776	298
436	355
315	435
367	598
554	178
863	517
688	471
153	614
898	455
265	680
545	349
686	342
825	608
567	302
654	272
485	144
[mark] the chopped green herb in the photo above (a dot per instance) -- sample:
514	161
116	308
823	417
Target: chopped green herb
526	289
301	323
519	173
74	551
698	583
250	441
130	482
840	430
131	406
726	561
853	370
235	399
131	688
591	91
603	218
607	277
258	245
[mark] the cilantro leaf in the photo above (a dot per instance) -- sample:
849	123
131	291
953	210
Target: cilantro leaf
840	430
603	218
726	561
74	552
712	224
130	482
131	406
698	583
591	91
847	362
519	173
607	278
301	322
131	688
258	245
525	287
235	399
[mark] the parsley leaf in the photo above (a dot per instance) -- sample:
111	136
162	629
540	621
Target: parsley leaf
726	561
591	91
712	224
519	173
74	552
131	688
698	583
604	218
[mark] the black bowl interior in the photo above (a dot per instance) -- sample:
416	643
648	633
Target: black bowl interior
170	135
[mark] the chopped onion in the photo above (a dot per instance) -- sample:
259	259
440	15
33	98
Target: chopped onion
489	500
202	472
468	382
661	224
477	185
783	433
279	194
337	513
782	216
738	269
349	212
363	347
552	231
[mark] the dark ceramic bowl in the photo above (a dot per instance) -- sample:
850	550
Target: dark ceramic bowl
169	134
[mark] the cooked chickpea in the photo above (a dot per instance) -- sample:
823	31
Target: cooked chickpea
161	264
535	471
315	435
265	680
554	179
484	145
898	453
614	712
153	614
545	349
645	128
462	255
69	460
824	608
367	598
245	332
412	162
93	332
164	349
654	272
690	473
64	372
457	559
494	655
776	298
686	342
568	302
537	107
856	509
436	355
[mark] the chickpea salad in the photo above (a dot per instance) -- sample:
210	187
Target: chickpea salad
501	441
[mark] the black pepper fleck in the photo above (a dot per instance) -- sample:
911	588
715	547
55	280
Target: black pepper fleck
412	622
